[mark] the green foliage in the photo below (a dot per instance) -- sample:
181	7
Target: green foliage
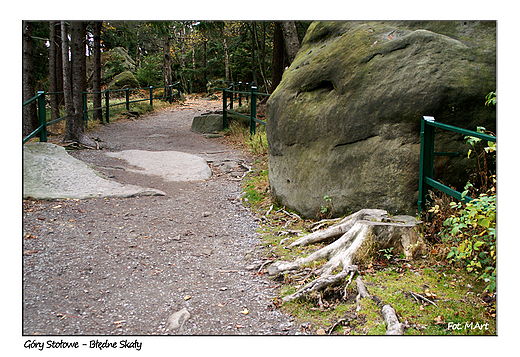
150	72
491	98
472	229
258	142
326	211
387	253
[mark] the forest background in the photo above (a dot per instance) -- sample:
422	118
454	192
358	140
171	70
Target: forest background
149	53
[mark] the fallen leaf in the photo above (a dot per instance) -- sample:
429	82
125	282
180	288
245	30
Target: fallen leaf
421	308
438	320
321	332
220	305
187	297
245	311
119	322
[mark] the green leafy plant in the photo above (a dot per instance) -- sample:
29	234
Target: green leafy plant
491	98
472	229
326	211
387	253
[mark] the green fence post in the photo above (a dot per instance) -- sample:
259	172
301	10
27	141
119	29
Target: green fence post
127	94
239	94
85	109
170	99
426	161
107	103
42	116
231	96
224	109
252	125
151	96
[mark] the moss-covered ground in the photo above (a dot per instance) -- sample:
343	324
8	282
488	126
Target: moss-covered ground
461	307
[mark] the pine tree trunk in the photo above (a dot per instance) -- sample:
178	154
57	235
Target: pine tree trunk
59	66
290	36
96	80
278	54
167	66
53	69
226	61
74	127
67	80
29	118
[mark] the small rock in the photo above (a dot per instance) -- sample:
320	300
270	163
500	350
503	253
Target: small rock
177	320
321	332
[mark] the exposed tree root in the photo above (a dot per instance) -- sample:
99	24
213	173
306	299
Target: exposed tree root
393	326
358	236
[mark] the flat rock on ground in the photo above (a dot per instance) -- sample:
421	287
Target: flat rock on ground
124	266
50	173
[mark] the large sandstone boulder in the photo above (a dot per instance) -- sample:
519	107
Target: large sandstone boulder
345	120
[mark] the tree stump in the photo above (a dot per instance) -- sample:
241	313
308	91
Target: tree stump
356	238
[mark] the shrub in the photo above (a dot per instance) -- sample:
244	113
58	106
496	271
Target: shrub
472	229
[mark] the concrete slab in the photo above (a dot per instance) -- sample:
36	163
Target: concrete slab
169	165
50	173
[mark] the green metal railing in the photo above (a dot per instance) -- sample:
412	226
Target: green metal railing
230	92
426	181
42	115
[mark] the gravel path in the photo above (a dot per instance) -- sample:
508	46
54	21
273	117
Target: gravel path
124	266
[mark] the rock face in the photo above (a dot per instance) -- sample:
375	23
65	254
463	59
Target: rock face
207	123
345	120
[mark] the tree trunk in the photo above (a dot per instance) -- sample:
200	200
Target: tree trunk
29	118
96	80
226	60
59	67
74	127
358	237
53	68
278	54
290	36
167	63
205	61
252	28
67	80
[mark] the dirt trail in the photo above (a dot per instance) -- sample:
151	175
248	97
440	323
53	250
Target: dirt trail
124	266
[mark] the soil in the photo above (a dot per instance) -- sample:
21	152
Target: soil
123	266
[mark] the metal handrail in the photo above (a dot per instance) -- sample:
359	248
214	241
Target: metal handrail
42	115
426	181
253	93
